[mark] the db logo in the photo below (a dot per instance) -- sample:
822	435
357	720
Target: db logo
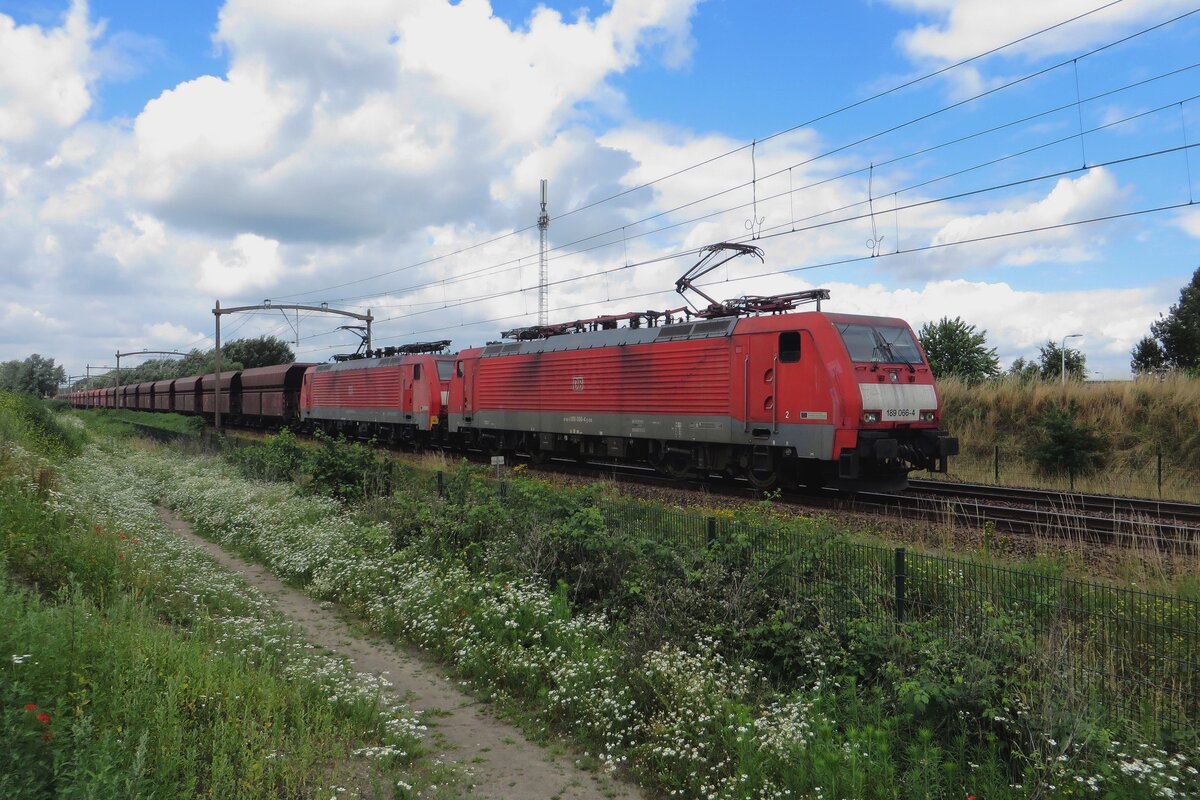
577	383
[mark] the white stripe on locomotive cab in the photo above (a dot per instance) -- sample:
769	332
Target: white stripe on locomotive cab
898	402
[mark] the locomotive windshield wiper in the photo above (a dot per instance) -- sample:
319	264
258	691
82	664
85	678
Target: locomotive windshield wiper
882	344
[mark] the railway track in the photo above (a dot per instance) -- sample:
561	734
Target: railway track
1095	519
1178	513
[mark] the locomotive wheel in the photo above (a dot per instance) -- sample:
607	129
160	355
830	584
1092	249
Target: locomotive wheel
677	466
763	470
763	480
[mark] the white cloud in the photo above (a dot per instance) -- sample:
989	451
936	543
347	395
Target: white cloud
44	77
338	124
963	28
171	335
210	119
1094	194
249	262
523	81
145	238
1189	221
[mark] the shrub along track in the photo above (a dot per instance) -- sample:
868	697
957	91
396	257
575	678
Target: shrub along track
503	764
1101	521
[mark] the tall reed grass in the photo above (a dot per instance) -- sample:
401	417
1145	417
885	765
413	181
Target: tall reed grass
1138	419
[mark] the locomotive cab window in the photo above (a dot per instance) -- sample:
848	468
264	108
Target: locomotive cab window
416	372
459	368
789	347
880	342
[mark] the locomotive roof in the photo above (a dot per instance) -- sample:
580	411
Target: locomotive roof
684	331
388	361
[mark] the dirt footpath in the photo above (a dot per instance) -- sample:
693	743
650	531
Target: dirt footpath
503	764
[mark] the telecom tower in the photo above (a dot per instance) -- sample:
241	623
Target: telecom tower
543	270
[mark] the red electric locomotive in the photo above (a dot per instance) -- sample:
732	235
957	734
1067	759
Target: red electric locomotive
812	397
399	397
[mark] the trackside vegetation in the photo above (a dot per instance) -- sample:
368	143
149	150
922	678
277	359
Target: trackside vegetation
1139	437
682	664
132	666
752	657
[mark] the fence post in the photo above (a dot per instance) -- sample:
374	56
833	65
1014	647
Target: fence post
1071	476
901	579
503	490
712	531
1160	472
441	485
996	463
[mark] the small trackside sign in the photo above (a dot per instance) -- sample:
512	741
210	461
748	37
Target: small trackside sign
497	461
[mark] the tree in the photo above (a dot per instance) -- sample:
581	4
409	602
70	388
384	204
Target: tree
1051	359
35	375
1065	445
956	348
1024	370
264	351
1178	332
1147	356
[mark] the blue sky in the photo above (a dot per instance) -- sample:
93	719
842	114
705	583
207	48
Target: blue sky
155	157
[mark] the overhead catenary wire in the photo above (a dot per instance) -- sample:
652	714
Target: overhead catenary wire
501	266
434	306
778	231
842	221
704	162
838	262
743	206
897	208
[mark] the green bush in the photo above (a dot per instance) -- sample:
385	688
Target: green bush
349	470
1064	445
27	421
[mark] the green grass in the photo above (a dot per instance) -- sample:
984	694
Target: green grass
121	421
133	666
765	663
688	665
1139	421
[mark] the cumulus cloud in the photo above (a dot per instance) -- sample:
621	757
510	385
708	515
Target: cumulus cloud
338	124
142	239
249	262
963	28
1189	221
167	335
45	78
1094	194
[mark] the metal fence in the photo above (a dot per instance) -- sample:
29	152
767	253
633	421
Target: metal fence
1156	476
1113	652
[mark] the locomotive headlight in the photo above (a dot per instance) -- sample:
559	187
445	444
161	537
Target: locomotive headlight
871	416
927	416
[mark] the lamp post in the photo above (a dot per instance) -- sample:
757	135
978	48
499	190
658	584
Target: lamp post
1063	351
